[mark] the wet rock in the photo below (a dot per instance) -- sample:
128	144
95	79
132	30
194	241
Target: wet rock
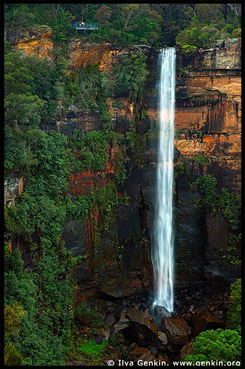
177	330
79	363
120	340
141	317
153	350
163	338
188	317
106	334
117	313
110	320
203	320
118	327
99	338
147	310
86	319
191	308
186	350
123	317
146	358
140	351
160	312
142	328
110	349
132	346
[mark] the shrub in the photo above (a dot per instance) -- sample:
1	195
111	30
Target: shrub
235	308
11	356
130	76
12	318
223	345
91	350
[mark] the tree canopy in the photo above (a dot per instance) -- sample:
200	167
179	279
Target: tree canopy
127	24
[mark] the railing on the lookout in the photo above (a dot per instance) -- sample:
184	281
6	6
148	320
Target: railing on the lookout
85	26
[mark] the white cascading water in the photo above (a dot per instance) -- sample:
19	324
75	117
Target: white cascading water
163	243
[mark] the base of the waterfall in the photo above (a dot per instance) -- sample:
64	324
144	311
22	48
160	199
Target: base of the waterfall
158	313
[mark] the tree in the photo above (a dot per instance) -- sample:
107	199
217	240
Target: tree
12	318
234	314
222	345
103	15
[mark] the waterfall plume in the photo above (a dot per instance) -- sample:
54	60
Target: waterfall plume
162	234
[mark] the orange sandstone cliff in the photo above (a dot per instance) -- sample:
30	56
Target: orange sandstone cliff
207	122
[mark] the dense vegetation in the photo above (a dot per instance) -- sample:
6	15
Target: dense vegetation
188	25
40	302
221	344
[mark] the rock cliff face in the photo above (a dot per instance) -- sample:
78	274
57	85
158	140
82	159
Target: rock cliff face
35	41
207	122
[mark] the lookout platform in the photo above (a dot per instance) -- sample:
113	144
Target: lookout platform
85	26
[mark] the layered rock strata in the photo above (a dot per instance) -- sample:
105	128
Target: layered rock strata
207	122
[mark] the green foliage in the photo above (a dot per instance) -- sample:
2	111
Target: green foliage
45	297
200	159
88	89
207	186
189	49
230	205
130	76
209	23
130	24
234	314
18	154
232	253
223	345
30	94
12	319
61	26
77	209
120	170
91	351
83	308
11	356
91	150
196	35
226	202
106	201
87	350
237	33
136	142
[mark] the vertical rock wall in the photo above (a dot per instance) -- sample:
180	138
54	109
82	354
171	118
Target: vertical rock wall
207	122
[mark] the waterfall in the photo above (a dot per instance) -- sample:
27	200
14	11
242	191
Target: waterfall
162	236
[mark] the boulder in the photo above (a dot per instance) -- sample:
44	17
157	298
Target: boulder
79	363
158	313
99	338
142	328
109	349
177	330
123	317
186	350
141	317
140	351
86	319
204	320
163	338
109	321
119	327
106	334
